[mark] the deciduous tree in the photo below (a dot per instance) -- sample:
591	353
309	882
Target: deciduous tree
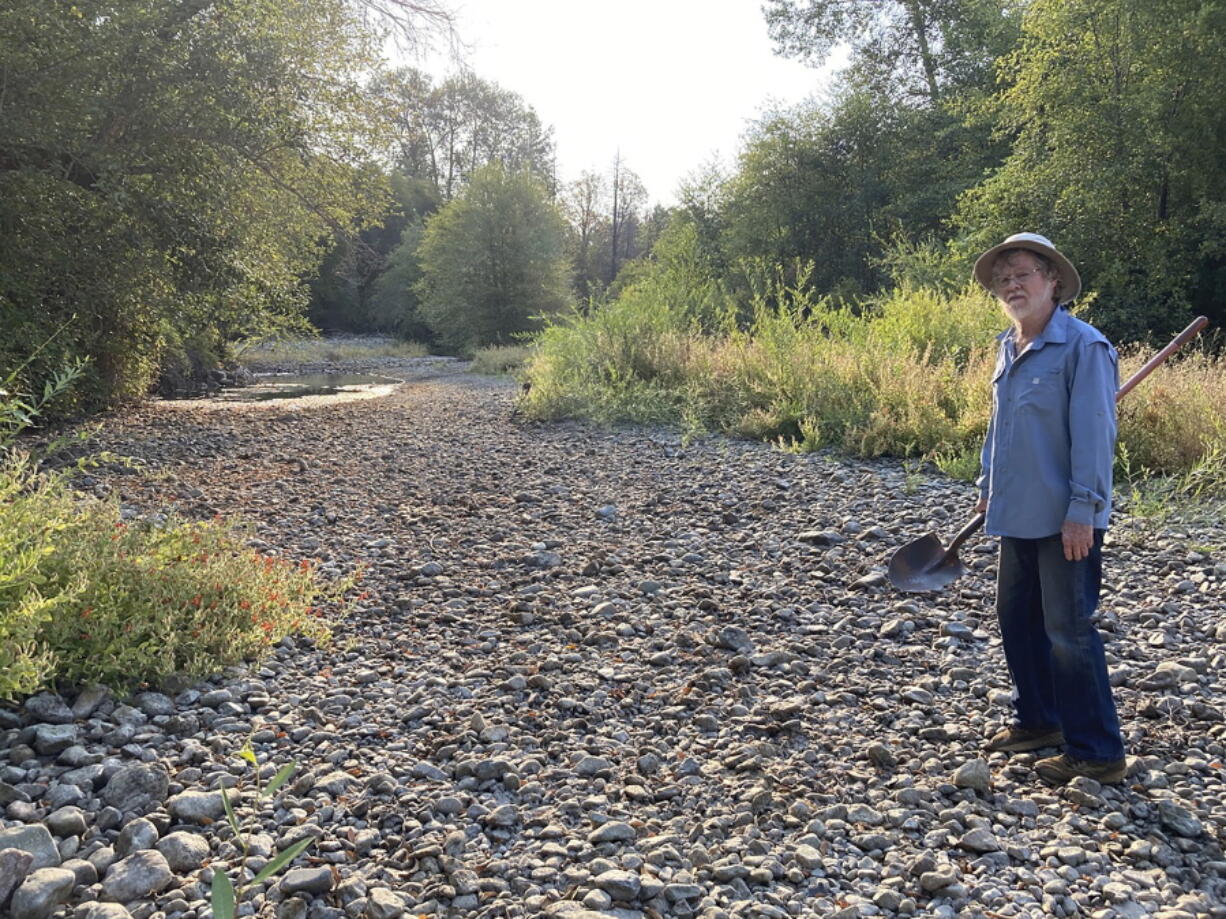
170	166
1116	107
492	260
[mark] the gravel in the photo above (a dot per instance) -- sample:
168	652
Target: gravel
606	673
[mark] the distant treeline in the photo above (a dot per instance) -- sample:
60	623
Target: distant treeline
175	176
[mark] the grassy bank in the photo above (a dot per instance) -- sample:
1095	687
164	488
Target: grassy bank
905	376
499	360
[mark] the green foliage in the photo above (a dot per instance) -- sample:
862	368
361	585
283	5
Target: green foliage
365	283
1114	108
492	261
179	598
396	299
33	514
87	597
932	324
907	377
908	48
443	134
924	262
19	411
167	168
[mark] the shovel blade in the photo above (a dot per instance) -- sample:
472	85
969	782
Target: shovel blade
922	566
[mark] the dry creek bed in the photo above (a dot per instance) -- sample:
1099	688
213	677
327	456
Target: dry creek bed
604	673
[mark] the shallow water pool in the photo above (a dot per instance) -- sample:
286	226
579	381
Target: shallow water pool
295	386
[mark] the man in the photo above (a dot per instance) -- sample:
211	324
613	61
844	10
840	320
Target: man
1046	490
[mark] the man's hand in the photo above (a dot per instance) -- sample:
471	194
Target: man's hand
1078	540
982	506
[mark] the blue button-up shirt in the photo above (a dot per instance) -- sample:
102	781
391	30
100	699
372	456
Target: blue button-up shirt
1051	441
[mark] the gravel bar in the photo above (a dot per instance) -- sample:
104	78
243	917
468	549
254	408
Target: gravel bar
608	673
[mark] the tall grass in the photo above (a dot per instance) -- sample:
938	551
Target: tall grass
794	370
1174	425
498	360
906	375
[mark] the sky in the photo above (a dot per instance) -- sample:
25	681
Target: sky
673	84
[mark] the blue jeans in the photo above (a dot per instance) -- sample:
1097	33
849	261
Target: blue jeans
1046	605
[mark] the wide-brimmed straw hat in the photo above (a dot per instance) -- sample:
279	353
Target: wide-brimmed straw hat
1070	280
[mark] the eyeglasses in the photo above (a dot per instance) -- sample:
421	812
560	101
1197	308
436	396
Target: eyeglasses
1022	277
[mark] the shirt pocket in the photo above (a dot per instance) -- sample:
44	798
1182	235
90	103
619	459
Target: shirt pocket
1041	391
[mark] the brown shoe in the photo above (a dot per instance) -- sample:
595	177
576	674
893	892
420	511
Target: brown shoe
1017	739
1060	770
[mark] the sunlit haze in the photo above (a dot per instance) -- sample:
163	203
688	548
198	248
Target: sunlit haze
671	83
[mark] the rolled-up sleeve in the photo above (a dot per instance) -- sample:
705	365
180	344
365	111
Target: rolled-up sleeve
1092	431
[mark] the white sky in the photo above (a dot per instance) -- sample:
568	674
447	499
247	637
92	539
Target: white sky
672	83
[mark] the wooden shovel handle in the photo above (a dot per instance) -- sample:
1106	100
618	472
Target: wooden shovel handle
1176	343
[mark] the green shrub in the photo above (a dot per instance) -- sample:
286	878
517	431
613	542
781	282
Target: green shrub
87	597
176	598
33	515
933	325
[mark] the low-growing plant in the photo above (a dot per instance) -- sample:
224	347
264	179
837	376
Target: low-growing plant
177	597
224	895
88	597
958	463
34	512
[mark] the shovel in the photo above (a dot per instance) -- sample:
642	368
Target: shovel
925	565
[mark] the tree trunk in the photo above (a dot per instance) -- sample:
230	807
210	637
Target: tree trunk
919	27
617	181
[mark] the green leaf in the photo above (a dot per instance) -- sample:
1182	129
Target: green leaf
282	860
230	818
247	754
279	779
223	896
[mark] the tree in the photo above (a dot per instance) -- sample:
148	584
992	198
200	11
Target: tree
492	260
351	292
445	133
396	302
1116	110
583	203
168	168
629	197
606	215
811	185
910	50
